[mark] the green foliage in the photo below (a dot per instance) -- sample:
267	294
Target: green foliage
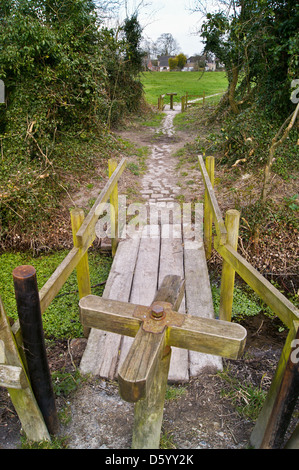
64	383
246	398
174	392
258	43
61	320
133	34
244	303
249	135
65	81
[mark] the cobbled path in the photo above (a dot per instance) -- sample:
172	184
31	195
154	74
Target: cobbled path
158	184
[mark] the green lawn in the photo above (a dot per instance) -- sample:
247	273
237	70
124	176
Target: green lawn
159	83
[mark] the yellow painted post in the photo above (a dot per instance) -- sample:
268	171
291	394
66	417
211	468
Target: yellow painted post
208	217
232	219
83	279
112	165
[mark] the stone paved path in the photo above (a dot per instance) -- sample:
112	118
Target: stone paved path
159	183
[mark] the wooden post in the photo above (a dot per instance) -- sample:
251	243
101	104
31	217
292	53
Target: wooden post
148	413
264	417
112	165
293	442
28	305
232	219
182	104
77	217
208	217
82	268
284	403
23	399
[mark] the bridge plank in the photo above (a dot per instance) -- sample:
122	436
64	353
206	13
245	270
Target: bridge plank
199	302
171	262
144	284
102	351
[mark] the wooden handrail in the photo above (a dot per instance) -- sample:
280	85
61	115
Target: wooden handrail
283	308
86	233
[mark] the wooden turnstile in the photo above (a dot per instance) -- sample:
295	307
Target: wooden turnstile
143	374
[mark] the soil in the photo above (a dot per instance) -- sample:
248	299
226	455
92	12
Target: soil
200	414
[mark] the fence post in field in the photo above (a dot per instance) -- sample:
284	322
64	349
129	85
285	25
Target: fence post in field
208	217
112	165
82	269
232	219
29	311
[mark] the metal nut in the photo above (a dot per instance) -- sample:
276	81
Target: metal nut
157	311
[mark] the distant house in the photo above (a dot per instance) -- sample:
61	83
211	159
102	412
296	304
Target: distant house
163	65
194	63
151	67
190	64
211	66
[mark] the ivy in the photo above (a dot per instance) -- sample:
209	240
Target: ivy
65	77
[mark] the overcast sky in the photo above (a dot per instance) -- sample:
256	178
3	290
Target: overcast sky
170	16
173	16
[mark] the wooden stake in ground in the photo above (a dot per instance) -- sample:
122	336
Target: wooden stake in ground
144	373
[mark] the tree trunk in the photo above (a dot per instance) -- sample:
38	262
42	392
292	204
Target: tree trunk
232	89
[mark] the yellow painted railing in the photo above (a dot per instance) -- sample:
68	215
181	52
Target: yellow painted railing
225	243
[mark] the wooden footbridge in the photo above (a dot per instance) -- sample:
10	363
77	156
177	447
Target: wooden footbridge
155	321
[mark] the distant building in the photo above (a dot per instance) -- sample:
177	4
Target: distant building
163	64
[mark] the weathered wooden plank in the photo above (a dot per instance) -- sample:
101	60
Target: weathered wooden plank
209	336
12	377
102	351
148	413
145	280
284	309
171	263
136	372
199	302
58	278
109	315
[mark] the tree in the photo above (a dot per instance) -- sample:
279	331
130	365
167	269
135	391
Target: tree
173	63
133	34
257	40
181	59
166	45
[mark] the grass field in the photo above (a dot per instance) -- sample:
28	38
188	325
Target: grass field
158	83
